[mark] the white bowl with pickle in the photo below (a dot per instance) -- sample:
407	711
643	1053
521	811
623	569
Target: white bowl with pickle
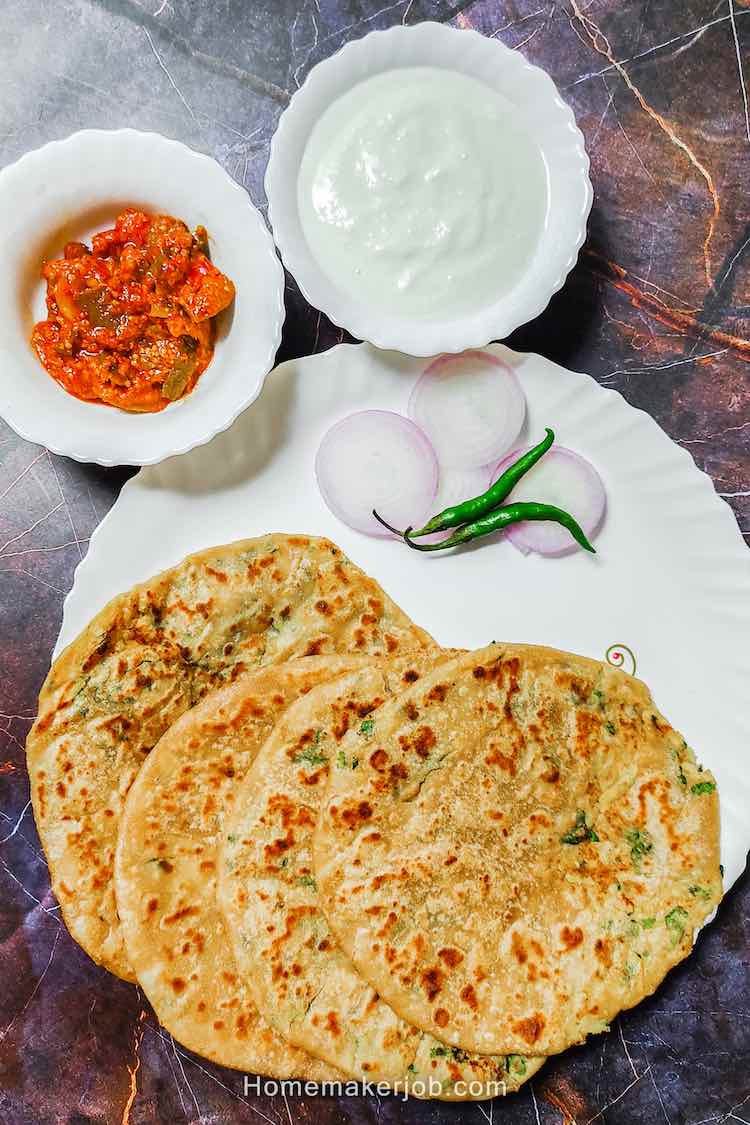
141	299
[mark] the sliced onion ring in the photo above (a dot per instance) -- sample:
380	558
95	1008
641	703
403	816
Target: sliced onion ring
568	481
377	459
471	407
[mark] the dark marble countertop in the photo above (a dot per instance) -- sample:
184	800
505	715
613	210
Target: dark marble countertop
658	307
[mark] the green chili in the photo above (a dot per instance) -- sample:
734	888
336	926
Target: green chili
478	506
499	520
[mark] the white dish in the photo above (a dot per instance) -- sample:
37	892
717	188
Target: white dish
671	580
70	189
540	111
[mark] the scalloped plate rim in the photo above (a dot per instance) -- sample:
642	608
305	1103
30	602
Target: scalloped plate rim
685	474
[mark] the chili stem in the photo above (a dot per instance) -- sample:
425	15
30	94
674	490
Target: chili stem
401	534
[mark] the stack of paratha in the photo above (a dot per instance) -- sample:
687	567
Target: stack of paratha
326	848
149	656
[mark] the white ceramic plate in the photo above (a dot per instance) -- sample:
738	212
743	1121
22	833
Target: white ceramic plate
539	109
70	189
671	580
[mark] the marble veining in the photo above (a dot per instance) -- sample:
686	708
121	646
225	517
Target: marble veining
658	307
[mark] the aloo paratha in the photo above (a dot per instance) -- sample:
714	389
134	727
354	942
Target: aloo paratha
149	656
302	982
165	870
525	849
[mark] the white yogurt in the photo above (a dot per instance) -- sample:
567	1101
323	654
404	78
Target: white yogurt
418	193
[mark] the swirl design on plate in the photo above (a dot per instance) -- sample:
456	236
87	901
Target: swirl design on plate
617	654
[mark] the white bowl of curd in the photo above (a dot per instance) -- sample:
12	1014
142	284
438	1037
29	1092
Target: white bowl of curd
428	189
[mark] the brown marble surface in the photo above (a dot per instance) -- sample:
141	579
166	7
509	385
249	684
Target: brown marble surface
658	307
